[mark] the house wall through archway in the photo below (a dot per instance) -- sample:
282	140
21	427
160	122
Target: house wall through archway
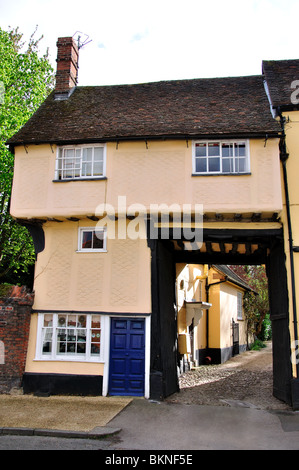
227	247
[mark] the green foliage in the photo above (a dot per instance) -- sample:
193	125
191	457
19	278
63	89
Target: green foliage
26	79
256	304
266	331
5	289
257	345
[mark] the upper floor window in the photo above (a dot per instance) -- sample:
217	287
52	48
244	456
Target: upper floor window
220	157
80	162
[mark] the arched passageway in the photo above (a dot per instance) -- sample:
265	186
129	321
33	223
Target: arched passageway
220	246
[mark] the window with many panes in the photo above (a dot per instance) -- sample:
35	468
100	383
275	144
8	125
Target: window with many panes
222	157
80	162
69	336
92	239
239	306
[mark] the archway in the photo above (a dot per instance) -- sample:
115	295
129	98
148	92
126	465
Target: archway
220	246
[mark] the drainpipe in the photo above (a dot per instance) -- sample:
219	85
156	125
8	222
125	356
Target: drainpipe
283	158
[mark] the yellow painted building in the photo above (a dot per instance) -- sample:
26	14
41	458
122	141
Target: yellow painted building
281	84
120	184
211	323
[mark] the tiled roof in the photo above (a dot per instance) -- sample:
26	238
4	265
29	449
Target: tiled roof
232	276
198	108
279	75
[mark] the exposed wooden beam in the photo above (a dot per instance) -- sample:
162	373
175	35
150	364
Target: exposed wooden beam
209	247
222	247
248	248
52	219
234	249
256	217
180	244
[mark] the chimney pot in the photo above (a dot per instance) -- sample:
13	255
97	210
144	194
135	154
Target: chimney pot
67	67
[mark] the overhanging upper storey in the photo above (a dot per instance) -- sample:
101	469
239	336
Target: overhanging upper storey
51	184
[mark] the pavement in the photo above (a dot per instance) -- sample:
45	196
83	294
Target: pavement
167	426
142	424
59	416
127	423
150	425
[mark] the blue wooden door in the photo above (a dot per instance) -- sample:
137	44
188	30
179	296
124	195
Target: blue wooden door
127	356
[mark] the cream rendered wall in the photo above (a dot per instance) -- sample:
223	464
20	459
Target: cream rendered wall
223	298
189	288
182	273
156	174
214	314
228	312
112	281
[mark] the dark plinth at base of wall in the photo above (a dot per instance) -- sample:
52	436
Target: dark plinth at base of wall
156	386
217	356
62	384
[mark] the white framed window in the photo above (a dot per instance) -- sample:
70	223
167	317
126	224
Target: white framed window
221	157
92	239
239	305
69	337
80	162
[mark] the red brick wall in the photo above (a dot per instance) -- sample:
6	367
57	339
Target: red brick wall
67	64
15	312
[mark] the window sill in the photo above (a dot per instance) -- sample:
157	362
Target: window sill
68	359
221	174
91	251
67	180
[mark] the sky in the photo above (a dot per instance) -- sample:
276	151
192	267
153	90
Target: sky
130	41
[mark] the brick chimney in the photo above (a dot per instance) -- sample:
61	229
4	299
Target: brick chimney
67	67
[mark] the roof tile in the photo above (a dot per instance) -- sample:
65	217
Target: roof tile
197	108
280	74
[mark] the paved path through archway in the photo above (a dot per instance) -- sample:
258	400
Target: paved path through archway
245	380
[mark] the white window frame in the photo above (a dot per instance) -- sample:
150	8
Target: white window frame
68	357
92	250
239	305
77	171
222	158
